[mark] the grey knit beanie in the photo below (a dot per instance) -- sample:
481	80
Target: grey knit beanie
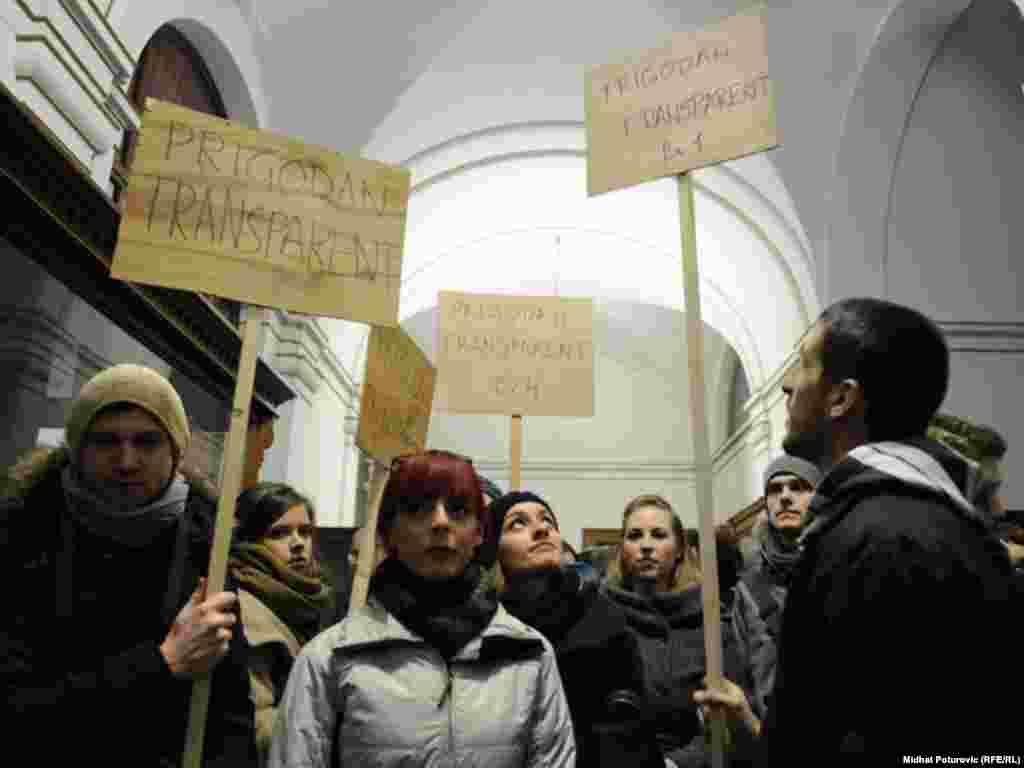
792	465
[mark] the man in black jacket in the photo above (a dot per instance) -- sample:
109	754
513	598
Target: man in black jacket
106	623
894	638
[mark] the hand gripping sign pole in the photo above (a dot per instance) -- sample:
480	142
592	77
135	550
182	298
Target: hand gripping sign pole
233	450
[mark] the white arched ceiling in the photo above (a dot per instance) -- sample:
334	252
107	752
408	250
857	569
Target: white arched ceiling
521	223
492	131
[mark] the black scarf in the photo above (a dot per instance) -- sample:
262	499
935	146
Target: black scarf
549	600
447	614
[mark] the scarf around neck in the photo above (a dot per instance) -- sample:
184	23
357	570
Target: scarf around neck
299	601
778	552
658	612
447	614
549	600
134	527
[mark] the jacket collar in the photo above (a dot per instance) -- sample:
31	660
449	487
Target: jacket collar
379	628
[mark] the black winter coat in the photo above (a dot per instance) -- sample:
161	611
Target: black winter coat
896	636
670	629
95	686
598	660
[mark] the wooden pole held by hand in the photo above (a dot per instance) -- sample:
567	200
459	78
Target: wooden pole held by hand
234	449
702	460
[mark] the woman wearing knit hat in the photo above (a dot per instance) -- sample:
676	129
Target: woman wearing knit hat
280	590
597	655
430	671
108	625
657	584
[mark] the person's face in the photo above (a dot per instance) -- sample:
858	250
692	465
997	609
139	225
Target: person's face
529	539
649	548
435	540
126	457
787	497
290	539
808	432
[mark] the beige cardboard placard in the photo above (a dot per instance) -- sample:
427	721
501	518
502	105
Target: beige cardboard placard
517	355
398	391
703	98
216	207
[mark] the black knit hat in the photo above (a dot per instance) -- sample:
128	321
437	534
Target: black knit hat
488	552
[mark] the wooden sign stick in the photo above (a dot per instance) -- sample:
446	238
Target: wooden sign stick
233	450
702	461
517	453
368	548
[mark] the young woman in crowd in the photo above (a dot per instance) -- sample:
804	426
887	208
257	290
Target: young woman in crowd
597	655
656	582
280	590
431	671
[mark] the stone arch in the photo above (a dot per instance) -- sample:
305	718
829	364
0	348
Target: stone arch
871	136
223	36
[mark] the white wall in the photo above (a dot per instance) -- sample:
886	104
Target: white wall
946	212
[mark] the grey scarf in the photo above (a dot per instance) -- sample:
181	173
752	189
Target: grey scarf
134	527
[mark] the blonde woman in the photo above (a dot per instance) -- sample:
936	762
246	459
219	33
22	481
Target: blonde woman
656	582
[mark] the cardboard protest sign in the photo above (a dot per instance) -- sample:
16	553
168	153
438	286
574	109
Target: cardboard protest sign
398	391
703	98
518	355
216	207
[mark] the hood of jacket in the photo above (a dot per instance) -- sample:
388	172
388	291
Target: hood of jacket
920	463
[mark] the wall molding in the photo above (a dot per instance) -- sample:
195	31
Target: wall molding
597	469
984	337
755	434
37	61
97	34
302	350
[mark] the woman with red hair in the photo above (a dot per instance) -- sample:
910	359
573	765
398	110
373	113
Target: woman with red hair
432	670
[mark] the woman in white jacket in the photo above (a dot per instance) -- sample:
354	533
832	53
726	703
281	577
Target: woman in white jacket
431	671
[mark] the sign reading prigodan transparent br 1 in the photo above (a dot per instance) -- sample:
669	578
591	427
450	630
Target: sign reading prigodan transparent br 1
702	99
517	355
216	207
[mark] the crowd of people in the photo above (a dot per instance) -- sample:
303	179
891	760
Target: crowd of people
871	623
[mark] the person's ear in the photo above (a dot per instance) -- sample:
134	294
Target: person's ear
845	400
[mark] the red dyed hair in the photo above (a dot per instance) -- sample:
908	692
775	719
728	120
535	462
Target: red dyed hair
428	476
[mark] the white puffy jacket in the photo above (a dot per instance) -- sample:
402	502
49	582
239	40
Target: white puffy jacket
368	692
